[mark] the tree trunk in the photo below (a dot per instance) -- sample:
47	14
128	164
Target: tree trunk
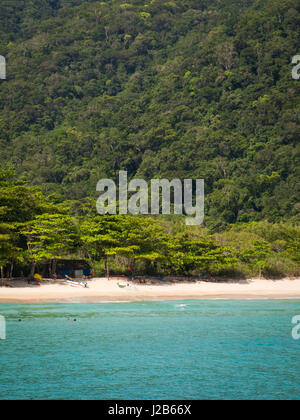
259	273
11	271
44	271
50	268
32	270
106	266
2	275
54	265
133	269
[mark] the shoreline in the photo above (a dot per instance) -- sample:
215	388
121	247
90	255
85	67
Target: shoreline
104	290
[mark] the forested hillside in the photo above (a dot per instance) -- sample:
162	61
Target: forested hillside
189	88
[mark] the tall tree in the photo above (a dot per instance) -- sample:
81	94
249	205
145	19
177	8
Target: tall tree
50	237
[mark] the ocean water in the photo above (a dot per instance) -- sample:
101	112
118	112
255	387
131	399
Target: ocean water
204	349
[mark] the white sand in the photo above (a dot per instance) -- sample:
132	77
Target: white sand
108	290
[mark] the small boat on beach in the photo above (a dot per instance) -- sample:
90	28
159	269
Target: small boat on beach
75	283
123	285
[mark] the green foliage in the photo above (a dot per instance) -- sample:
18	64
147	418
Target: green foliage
189	89
50	236
38	230
131	237
264	248
18	204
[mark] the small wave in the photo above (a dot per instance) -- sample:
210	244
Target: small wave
181	306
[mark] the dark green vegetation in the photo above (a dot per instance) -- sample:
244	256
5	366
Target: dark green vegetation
35	231
175	89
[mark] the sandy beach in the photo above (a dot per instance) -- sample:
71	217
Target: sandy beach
103	290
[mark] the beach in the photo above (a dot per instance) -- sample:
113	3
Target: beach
104	290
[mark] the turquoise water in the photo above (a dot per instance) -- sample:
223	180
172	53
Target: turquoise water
204	349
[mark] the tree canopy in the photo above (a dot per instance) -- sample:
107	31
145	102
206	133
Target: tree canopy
180	89
197	89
